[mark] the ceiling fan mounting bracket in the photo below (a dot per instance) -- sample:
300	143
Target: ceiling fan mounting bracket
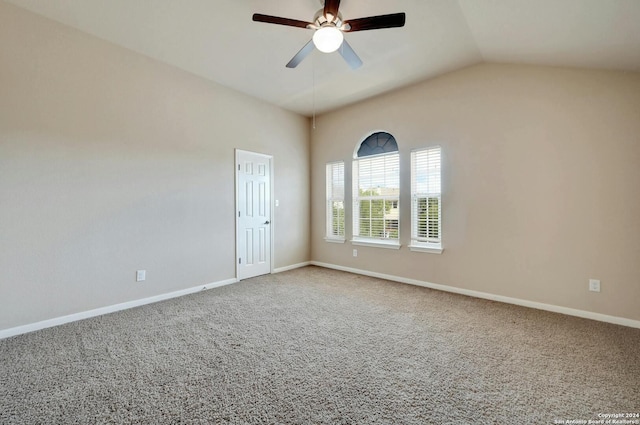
319	19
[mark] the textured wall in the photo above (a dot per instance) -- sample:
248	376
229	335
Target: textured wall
541	180
112	162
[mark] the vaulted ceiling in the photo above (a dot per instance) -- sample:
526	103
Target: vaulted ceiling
217	40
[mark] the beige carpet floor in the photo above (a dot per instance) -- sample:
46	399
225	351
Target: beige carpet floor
318	346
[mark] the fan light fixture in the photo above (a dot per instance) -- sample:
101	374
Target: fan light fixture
328	27
328	38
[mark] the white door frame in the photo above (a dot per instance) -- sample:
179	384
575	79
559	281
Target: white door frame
271	206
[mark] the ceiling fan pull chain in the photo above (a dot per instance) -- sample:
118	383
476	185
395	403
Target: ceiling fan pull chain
313	88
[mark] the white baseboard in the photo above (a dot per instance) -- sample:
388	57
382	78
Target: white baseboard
291	267
18	330
508	300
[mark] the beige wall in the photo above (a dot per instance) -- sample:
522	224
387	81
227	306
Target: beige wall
112	162
541	183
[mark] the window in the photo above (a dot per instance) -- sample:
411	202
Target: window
376	192
426	199
335	201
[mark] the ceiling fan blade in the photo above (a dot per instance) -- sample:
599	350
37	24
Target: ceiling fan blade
303	53
258	17
331	8
349	55
375	22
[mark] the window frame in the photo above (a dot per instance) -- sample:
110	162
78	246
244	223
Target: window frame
331	197
357	239
425	244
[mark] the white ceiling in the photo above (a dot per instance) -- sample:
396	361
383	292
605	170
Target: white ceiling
217	40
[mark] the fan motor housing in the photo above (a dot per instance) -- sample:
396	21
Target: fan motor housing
320	20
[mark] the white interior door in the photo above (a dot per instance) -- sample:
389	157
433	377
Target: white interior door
253	215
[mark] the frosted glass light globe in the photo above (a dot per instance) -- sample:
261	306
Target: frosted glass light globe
328	39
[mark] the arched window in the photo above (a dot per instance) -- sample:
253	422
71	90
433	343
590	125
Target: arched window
376	144
376	191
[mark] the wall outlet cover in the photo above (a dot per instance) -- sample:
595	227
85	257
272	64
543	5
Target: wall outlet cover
141	275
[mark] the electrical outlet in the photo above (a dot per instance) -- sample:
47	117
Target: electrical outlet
594	285
355	252
141	275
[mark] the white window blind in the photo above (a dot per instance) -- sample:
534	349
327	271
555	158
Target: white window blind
376	192
335	200
426	212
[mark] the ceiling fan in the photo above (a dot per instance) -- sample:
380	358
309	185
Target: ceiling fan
329	28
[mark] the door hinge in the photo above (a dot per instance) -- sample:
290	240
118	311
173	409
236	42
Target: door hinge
238	167
238	213
239	260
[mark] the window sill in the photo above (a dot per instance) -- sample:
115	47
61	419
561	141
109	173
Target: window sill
376	243
335	240
430	248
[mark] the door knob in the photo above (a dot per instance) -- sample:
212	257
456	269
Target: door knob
267	222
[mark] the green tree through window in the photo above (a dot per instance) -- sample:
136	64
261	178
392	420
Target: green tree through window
377	218
428	218
337	218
